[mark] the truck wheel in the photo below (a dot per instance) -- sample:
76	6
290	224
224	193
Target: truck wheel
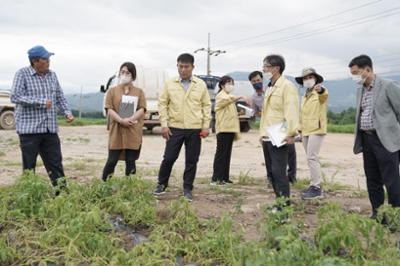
244	126
7	120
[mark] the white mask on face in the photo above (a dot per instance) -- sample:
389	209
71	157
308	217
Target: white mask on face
124	79
309	83
229	88
267	76
359	79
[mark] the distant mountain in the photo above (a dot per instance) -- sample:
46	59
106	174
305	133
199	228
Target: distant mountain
90	102
342	93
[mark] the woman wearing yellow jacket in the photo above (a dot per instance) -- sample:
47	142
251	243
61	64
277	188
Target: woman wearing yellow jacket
227	128
313	126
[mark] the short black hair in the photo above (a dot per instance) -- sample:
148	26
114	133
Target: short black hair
33	60
276	60
186	58
131	69
224	79
254	74
361	61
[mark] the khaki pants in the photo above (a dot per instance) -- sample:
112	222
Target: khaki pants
312	145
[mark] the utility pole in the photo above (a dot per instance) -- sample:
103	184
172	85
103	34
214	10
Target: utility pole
209	53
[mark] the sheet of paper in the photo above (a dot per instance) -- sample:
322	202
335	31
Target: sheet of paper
129	99
277	133
128	106
249	111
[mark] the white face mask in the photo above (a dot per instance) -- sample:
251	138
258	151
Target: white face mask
229	88
309	83
359	79
124	79
267	76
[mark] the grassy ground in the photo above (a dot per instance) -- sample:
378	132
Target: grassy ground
82	122
341	128
119	222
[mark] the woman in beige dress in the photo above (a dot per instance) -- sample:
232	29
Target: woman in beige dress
125	106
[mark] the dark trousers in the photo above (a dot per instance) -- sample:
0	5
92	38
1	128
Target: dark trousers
381	168
222	159
48	146
276	160
130	162
192	141
292	162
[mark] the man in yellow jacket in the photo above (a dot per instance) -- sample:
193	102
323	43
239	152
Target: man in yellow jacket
185	113
281	105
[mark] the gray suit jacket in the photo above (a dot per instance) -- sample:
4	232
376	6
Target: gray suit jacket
386	115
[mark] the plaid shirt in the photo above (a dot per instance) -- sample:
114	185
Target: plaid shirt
367	108
30	91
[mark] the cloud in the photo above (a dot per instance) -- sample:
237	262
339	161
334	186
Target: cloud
92	38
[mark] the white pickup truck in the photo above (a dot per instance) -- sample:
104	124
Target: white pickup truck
7	119
151	80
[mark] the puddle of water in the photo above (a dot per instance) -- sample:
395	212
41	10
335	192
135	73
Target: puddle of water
121	227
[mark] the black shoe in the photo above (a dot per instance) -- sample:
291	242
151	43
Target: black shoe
227	181
188	195
160	189
217	183
292	180
312	192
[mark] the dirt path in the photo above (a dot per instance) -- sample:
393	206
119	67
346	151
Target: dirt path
85	151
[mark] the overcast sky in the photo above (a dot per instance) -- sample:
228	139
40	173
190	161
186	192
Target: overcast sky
91	39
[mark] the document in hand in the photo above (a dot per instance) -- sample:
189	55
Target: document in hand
128	106
277	133
248	110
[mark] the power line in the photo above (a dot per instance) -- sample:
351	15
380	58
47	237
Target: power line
301	24
330	69
329	64
347	24
346	73
375	58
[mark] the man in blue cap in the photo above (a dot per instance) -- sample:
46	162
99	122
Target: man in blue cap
37	95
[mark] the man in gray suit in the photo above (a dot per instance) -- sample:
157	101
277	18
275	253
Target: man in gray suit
377	133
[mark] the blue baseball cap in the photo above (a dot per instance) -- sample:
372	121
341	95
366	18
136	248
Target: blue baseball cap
39	51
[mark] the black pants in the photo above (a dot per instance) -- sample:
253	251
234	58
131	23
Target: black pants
381	168
276	160
48	146
130	162
292	162
173	146
222	159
